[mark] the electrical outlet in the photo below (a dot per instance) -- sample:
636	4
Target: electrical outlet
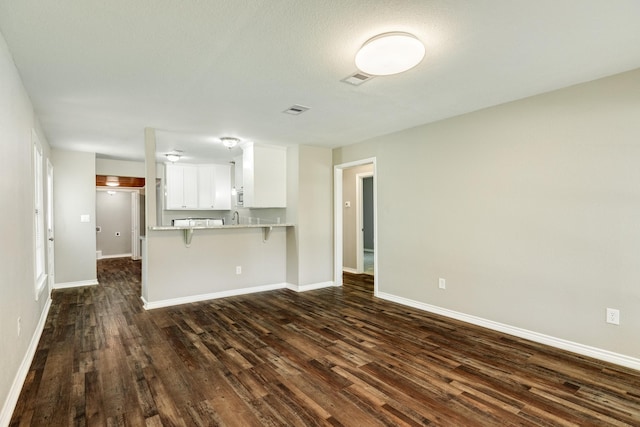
442	284
613	316
238	269
19	325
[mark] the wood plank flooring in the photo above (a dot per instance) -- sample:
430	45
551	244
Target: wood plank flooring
328	357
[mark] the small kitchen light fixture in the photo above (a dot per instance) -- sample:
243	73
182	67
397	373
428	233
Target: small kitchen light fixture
112	181
111	192
390	53
229	141
172	157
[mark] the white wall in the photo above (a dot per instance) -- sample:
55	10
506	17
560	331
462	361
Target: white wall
113	215
119	168
530	211
75	195
309	206
208	266
17	288
293	189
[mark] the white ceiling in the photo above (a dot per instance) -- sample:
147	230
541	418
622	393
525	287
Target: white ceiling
99	72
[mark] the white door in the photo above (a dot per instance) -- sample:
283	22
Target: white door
50	242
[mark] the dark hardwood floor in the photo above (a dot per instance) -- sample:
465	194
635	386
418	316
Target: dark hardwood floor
334	356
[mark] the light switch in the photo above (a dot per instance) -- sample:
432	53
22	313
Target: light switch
85	218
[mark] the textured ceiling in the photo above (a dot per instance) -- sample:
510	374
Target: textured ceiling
99	72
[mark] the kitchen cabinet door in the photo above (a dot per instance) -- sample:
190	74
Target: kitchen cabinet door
214	187
181	186
206	187
238	172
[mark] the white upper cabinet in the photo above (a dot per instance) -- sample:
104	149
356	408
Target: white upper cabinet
198	187
206	186
264	176
182	186
238	172
214	187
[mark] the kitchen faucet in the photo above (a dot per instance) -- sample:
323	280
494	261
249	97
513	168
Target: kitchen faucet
236	218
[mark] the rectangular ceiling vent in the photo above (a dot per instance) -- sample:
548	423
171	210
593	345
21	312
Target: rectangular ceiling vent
296	109
357	79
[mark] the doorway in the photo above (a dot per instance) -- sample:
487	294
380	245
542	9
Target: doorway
349	241
365	232
118	215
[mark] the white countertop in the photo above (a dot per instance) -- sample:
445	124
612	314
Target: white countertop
214	227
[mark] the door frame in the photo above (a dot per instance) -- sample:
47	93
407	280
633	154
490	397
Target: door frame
50	229
135	225
360	220
338	219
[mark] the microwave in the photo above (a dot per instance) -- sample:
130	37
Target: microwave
240	198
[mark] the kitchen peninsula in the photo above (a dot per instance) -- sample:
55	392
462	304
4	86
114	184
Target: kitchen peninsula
190	253
188	264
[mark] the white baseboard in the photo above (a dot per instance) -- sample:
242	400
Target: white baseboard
91	282
585	350
18	381
310	287
349	270
116	256
233	292
214	295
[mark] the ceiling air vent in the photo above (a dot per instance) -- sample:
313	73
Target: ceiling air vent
296	109
357	79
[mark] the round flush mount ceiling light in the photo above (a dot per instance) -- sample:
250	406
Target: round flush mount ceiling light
390	53
172	157
229	141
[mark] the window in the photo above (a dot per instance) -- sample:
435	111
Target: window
39	235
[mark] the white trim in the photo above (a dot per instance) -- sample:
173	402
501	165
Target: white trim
65	285
214	295
338	259
233	292
349	270
585	350
116	256
50	245
18	381
40	285
310	287
135	225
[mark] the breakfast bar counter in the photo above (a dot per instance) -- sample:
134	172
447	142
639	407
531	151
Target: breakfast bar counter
184	264
188	231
